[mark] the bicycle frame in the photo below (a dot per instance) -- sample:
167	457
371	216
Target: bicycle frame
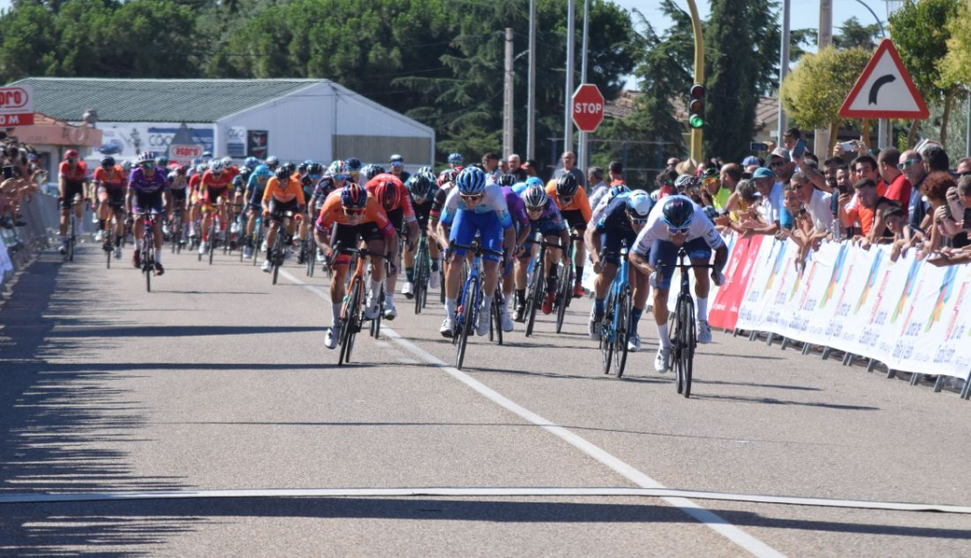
469	301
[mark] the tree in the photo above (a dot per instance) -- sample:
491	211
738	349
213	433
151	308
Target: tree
920	32
956	65
814	91
853	34
27	46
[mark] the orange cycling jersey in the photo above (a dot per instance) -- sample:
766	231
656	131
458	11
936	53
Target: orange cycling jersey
291	191
333	212
404	198
579	203
114	179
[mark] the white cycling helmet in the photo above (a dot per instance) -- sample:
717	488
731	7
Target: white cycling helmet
639	205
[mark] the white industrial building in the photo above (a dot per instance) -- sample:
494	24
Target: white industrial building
294	119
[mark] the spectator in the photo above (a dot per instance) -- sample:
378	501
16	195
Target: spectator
866	213
715	184
789	139
936	186
672	163
904	236
896	185
531	167
599	189
569	166
950	255
742	208
935	159
516	167
490	165
616	171
964	167
911	164
771	205
818	205
749	164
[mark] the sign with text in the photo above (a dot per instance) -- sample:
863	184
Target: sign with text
588	107
16	106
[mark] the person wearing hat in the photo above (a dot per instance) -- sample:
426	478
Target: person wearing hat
771	206
397	164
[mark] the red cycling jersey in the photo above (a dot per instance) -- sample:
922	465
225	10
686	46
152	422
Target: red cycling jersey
404	198
77	173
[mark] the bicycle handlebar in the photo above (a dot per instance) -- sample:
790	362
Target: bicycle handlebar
476	247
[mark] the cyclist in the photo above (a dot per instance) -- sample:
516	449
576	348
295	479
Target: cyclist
216	189
619	225
312	175
455	162
358	216
110	183
148	191
573	204
394	199
72	179
195	198
422	190
545	218
475	207
523	232
617	189
240	184
353	168
677	222
397	164
272	162
178	182
334	179
446	181
255	187
283	194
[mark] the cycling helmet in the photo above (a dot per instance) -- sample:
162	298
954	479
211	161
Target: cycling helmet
639	205
146	157
685	182
388	195
290	168
273	162
370	171
508	180
181	169
315	169
710	172
446	176
428	171
678	212
162	161
471	181
302	168
196	162
201	168
282	174
71	154
126	166
108	162
227	162
252	162
262	171
616	190
337	168
420	185
216	166
207	155
353	164
533	180
455	159
567	185
354	196
397	160
535	197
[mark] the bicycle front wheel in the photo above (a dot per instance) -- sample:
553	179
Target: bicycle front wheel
607	334
535	296
563	296
623	331
687	344
350	315
497	304
465	318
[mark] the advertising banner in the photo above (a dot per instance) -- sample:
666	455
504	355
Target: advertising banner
16	106
236	141
125	140
257	144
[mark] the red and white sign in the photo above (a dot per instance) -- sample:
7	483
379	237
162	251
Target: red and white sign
184	153
588	107
885	89
16	106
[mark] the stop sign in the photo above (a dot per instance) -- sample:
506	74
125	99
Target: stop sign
588	107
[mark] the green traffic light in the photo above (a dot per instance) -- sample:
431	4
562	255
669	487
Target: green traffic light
696	121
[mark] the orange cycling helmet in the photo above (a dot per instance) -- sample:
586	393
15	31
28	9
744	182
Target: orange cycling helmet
388	194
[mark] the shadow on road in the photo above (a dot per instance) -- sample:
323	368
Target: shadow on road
773	401
179	331
63	427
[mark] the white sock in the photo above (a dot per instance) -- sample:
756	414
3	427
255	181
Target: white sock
389	297
702	309
375	289
335	313
158	256
451	305
662	334
487	303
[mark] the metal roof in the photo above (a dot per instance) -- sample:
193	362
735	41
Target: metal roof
156	100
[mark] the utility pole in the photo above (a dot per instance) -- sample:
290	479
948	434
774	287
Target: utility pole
568	94
583	155
531	86
507	100
825	40
783	71
696	133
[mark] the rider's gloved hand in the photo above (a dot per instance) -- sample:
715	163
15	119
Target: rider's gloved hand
717	277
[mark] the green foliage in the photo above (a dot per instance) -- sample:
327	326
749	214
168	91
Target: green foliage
920	32
853	34
956	65
814	91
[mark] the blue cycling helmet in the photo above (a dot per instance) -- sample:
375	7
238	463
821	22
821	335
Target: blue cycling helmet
353	164
262	171
534	181
616	190
678	212
471	181
455	159
251	162
272	161
354	196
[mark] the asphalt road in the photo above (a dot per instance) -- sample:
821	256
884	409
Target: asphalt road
219	380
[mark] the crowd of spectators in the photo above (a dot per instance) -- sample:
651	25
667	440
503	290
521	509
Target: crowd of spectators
913	200
22	173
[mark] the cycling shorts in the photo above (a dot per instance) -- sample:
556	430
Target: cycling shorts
612	241
72	189
574	218
664	252
465	226
114	197
145	202
278	209
349	235
397	219
178	196
213	194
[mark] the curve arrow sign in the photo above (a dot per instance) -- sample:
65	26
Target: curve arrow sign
875	88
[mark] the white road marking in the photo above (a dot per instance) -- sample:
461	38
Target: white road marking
718	524
463	492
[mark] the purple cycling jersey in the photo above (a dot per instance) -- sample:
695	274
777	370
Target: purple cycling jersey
142	184
516	207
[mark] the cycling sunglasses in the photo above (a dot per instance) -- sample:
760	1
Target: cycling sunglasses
676	231
147	165
314	176
339	177
534	209
473	197
639	222
907	164
565	199
353	212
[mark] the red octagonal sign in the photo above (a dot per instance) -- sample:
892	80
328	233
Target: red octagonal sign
588	107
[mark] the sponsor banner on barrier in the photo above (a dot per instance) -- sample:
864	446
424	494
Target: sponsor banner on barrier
910	315
738	271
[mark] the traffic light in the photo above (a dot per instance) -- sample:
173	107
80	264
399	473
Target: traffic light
696	106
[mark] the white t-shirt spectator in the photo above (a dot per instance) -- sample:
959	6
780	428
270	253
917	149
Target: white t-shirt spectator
771	206
821	210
